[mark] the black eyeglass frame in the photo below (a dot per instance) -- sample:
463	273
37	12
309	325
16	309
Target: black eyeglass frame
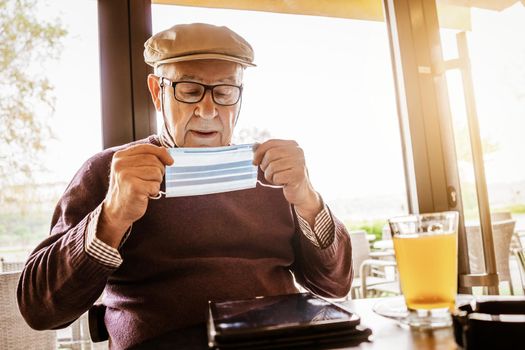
166	82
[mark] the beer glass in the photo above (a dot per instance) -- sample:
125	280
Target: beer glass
426	253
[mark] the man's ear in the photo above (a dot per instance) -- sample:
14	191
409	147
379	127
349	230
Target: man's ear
154	89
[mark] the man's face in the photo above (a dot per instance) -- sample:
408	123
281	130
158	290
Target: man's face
205	123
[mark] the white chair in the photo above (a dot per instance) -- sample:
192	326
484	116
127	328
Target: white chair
15	334
502	232
371	275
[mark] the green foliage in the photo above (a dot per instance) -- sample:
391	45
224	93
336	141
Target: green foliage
514	209
374	227
18	230
26	44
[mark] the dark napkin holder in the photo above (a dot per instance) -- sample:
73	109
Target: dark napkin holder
490	324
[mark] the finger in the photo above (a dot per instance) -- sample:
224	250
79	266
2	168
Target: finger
161	152
271	155
148	173
265	146
279	165
283	178
281	152
130	164
143	189
140	160
152	187
129	177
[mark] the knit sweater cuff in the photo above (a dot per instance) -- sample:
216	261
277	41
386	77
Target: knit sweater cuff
80	259
96	248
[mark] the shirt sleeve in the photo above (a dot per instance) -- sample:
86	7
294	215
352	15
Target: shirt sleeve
322	235
324	268
96	248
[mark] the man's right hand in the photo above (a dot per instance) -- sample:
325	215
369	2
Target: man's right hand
136	174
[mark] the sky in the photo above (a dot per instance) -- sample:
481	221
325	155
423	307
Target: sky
324	82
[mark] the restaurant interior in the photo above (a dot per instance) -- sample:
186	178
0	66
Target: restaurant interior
423	113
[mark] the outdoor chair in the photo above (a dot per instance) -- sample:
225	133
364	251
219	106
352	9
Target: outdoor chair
518	251
501	216
502	232
372	276
519	254
15	334
11	266
79	338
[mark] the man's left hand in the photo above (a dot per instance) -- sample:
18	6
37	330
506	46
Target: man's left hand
283	163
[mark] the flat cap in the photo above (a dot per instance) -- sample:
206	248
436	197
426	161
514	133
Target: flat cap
197	41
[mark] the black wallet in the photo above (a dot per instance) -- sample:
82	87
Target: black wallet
490	324
300	321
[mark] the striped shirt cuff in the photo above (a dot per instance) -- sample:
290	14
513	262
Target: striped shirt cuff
96	248
323	233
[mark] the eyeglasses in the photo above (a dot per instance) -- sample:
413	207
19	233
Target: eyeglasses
192	92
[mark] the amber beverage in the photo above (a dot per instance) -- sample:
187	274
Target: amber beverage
427	258
427	266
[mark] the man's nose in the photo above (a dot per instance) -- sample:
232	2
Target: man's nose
206	108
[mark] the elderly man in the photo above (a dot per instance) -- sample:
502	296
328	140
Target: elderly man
160	261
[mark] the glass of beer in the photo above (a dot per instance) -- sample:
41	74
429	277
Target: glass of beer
427	258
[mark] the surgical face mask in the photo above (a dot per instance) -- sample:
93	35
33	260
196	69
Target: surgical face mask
207	170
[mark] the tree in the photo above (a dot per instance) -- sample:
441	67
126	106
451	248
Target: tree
26	45
253	134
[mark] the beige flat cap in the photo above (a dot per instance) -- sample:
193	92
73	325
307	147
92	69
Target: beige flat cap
197	41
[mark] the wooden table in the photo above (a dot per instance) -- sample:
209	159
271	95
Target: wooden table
387	334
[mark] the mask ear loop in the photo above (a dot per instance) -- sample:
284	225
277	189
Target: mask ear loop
268	185
159	195
162	111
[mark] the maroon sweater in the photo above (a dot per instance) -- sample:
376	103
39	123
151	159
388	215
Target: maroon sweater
183	252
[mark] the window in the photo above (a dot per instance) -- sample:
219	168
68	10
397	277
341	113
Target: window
73	118
496	52
327	83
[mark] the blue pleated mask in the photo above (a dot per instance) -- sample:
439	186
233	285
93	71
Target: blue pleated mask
206	170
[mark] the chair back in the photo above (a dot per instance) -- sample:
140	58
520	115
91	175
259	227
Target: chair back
15	334
360	250
11	266
501	216
502	232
